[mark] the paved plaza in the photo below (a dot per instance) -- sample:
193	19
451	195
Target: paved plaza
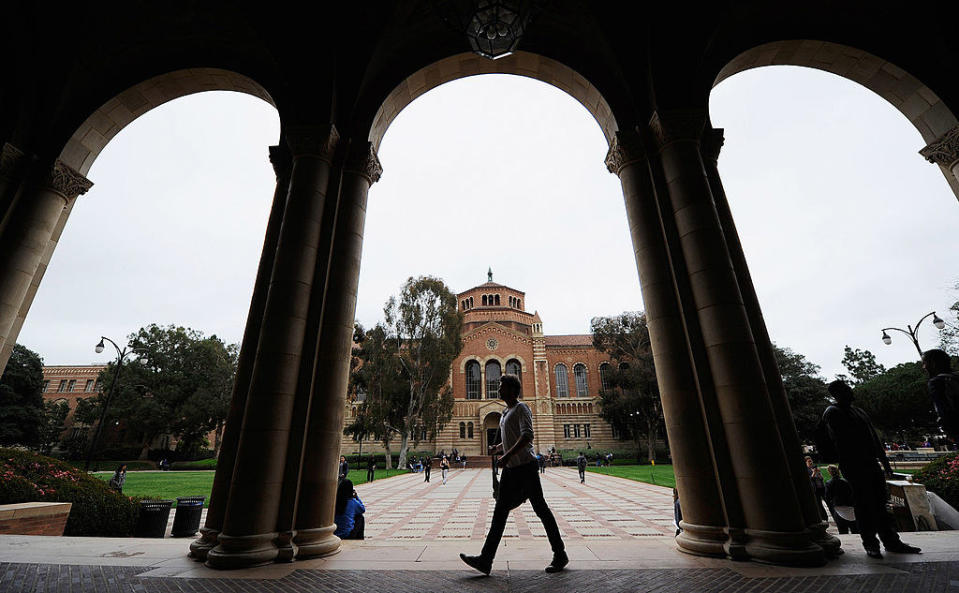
618	535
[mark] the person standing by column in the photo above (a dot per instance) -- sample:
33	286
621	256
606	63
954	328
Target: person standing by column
427	467
370	469
818	485
344	468
943	390
860	453
581	464
520	480
445	467
841	501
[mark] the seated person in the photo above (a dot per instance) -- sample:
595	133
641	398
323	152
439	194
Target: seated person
348	511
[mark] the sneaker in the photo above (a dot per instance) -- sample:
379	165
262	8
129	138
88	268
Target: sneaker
560	560
874	553
903	548
478	562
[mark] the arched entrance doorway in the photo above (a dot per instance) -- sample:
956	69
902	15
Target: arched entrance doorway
491	434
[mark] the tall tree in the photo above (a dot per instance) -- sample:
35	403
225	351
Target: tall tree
179	383
898	403
21	399
861	364
805	390
424	326
631	401
54	417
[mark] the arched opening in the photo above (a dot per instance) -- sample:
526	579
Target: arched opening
513	367
473	389
848	127
562	380
491	434
493	374
582	384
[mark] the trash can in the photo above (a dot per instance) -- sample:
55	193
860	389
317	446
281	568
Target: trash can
153	518
186	521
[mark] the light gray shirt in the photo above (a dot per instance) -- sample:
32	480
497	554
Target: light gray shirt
513	424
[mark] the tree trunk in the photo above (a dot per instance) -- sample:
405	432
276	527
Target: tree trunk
218	438
651	443
389	455
144	451
404	449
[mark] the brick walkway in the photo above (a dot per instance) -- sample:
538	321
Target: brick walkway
932	577
618	535
406	508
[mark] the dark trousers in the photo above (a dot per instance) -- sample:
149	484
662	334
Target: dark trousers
359	527
582	474
426	471
841	524
369	474
516	486
821	503
869	490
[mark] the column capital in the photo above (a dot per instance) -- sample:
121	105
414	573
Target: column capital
626	148
65	181
282	161
677	126
313	140
362	159
12	161
944	150
711	144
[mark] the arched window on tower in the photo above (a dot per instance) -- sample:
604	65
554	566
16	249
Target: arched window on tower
519	304
513	367
462	430
496	298
472	380
484	300
579	373
469	430
562	381
493	373
604	376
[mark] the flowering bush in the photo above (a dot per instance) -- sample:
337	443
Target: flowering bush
942	477
97	510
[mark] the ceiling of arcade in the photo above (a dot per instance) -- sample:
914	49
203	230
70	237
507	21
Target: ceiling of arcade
358	64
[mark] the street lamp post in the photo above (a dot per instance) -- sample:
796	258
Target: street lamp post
121	354
913	333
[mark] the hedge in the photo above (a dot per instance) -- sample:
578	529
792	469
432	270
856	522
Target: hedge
942	477
193	465
97	510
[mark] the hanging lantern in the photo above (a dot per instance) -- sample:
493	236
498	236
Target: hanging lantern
493	27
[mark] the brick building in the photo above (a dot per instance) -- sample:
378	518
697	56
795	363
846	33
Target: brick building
562	377
69	383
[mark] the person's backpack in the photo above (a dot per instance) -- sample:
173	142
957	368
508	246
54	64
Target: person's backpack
824	443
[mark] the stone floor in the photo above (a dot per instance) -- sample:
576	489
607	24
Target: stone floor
417	531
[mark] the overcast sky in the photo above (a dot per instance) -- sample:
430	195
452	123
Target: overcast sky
846	228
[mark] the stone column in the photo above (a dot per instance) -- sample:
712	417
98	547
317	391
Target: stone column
944	151
696	479
209	533
711	144
314	520
248	535
775	525
26	236
13	166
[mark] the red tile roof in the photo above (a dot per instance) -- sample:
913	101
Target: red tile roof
570	340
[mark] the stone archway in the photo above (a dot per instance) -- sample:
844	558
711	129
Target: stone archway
932	118
491	429
50	207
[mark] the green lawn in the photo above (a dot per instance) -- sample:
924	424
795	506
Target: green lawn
661	475
170	485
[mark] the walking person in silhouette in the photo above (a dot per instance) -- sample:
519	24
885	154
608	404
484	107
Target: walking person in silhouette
427	468
520	480
860	455
581	464
370	469
943	390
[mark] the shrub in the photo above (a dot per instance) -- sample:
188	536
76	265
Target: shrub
97	510
942	477
193	465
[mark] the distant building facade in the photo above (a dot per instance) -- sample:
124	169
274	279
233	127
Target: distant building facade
562	377
69	383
